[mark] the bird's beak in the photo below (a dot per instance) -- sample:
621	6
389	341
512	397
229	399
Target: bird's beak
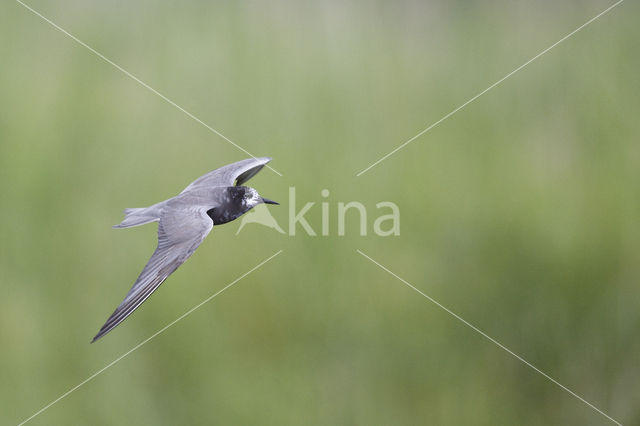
268	201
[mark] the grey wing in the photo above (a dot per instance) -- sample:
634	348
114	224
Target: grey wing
231	174
179	235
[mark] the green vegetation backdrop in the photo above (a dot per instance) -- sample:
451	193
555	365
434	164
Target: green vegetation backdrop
520	212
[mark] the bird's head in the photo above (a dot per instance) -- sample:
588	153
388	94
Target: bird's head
251	198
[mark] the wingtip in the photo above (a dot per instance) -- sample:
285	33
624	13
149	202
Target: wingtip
100	334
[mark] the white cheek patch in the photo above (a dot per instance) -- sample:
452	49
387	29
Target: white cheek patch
254	200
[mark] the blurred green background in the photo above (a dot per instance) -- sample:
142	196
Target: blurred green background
519	213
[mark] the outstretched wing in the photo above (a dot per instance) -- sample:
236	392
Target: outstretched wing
180	232
235	173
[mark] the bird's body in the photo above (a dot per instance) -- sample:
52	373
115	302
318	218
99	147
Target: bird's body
184	221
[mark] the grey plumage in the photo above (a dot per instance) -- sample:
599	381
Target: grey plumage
184	221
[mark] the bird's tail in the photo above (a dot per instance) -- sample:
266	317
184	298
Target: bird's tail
139	216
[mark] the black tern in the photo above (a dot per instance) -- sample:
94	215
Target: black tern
183	222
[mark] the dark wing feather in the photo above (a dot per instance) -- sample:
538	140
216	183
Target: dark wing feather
231	174
180	232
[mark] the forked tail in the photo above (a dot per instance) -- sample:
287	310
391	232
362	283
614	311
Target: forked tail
139	216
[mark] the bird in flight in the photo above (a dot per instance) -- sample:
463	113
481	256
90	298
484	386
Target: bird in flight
183	222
